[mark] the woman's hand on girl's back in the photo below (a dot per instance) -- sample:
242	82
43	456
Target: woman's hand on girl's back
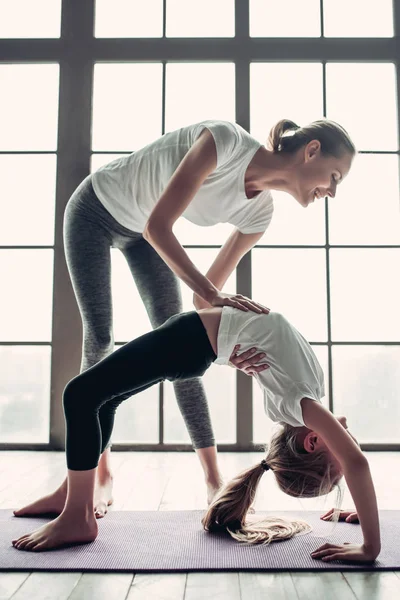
238	301
247	361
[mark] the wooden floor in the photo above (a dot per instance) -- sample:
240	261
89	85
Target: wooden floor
173	481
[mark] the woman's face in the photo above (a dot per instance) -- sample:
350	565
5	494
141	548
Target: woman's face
318	175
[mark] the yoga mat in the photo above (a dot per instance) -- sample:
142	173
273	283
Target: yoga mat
158	541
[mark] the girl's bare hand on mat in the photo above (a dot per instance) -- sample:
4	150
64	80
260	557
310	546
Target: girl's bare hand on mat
350	516
347	552
247	361
238	301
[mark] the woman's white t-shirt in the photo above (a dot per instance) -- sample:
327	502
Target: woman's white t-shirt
294	372
130	187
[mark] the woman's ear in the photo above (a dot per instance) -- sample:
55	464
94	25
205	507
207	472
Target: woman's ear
312	149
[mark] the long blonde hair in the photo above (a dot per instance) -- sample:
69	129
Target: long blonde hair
297	473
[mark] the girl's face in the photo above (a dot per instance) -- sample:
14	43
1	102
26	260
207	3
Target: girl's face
318	175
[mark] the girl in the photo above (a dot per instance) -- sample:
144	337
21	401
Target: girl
308	457
210	172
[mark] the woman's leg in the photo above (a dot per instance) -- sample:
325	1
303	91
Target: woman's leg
178	349
159	289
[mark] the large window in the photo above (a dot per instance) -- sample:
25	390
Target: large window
85	82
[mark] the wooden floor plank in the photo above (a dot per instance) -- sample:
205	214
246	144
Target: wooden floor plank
48	586
260	586
102	586
328	585
158	586
218	586
10	583
374	586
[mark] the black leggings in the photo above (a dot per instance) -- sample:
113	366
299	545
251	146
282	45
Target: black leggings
178	349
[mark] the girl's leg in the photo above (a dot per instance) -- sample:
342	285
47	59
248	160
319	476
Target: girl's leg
88	237
178	349
76	524
87	241
159	289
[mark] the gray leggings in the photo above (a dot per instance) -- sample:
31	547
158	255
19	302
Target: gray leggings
90	231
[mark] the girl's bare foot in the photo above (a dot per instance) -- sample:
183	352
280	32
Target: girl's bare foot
103	494
51	504
66	530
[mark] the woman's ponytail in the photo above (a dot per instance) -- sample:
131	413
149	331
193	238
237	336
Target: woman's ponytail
277	131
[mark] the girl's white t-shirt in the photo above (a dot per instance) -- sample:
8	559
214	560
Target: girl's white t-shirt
294	372
130	187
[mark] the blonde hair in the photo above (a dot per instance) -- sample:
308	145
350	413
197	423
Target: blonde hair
297	473
333	137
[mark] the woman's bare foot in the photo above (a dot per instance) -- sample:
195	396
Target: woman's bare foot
213	488
54	503
51	504
103	494
65	530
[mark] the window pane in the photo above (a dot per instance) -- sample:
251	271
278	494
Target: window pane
365	295
293	282
28	107
194	235
220	387
203	259
220	383
292	225
27	197
366	386
367	209
128	118
199	91
192	19
27	278
263	426
356	18
25	394
357	97
129	18
27	19
136	419
130	316
99	160
277	92
286	18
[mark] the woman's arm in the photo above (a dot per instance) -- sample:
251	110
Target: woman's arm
197	164
235	247
356	472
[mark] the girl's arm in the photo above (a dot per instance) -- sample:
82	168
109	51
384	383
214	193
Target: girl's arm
358	478
197	164
235	247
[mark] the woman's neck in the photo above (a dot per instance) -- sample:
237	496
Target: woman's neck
270	170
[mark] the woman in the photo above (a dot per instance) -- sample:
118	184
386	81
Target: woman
308	457
209	172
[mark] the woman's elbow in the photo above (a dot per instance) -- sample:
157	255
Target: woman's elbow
154	230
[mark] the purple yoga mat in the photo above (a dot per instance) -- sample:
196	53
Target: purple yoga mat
175	541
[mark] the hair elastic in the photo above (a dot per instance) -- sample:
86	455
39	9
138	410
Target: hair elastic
265	465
